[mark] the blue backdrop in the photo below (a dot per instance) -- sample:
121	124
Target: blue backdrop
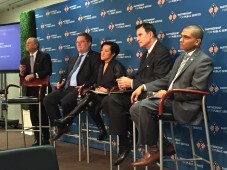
115	20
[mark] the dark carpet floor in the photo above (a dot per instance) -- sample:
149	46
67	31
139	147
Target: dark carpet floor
67	154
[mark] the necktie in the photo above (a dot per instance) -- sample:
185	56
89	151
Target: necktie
147	54
75	67
186	57
32	63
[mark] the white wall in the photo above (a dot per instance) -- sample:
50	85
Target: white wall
12	16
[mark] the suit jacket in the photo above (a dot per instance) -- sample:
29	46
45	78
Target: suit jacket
87	74
156	66
42	67
194	75
114	70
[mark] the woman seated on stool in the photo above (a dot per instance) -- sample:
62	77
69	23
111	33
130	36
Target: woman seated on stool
109	70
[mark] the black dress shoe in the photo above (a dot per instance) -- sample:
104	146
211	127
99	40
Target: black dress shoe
121	157
59	131
64	121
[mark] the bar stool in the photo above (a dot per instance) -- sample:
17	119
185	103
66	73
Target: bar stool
168	117
40	83
104	142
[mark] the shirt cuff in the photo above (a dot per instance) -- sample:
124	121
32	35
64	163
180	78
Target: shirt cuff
36	75
144	87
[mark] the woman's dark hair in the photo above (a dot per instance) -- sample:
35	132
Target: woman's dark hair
114	47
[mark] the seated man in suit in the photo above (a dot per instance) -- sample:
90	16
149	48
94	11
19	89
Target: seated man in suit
81	72
36	65
191	70
154	64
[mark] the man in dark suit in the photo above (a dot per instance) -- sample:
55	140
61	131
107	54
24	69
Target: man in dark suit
155	63
36	65
191	70
81	72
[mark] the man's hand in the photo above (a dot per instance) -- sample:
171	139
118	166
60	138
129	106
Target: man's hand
29	77
135	95
22	69
80	89
101	89
59	85
160	93
124	82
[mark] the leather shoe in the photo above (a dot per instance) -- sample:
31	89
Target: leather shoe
59	131
121	157
151	157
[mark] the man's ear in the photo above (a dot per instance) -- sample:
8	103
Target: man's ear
198	42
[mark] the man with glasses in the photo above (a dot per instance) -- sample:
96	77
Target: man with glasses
81	72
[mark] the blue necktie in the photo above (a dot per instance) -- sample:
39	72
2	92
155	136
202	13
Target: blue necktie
76	65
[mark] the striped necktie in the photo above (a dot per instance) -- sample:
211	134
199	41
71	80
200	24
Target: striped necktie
32	61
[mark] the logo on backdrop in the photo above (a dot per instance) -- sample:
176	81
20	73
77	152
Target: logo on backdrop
80	18
48	37
47	13
129	8
216	166
42	26
213	88
213	9
66	34
60	47
66	59
173	51
139	54
103	13
66	9
213	49
161	35
60	22
172	17
87	30
201	145
139	21
214	128
43	49
102	41
87	3
160	2
129	39
111	26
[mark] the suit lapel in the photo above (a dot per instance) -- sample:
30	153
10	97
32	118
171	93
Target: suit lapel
187	64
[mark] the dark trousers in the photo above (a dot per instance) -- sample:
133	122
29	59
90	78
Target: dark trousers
144	114
67	99
116	106
34	111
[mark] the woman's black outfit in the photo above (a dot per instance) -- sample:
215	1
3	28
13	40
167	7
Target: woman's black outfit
93	100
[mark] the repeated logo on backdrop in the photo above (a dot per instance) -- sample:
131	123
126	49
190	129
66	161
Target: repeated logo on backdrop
58	25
